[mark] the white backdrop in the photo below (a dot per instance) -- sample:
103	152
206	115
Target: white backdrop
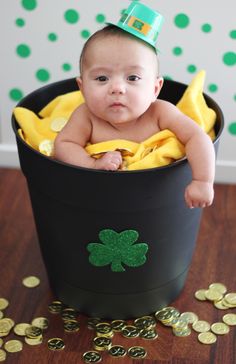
41	42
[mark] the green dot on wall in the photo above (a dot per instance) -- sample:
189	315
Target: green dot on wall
71	16
235	97
212	87
232	128
232	34
42	75
181	20
15	94
23	50
85	33
29	4
52	37
20	22
206	28
100	18
191	68
229	58
66	67
177	51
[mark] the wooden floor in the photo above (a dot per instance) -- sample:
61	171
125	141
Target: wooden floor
214	261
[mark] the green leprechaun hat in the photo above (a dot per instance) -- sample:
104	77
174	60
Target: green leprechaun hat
142	22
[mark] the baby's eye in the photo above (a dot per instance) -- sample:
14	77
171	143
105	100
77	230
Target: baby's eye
101	78
133	78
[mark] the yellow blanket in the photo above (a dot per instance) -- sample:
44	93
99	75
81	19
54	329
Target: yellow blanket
159	150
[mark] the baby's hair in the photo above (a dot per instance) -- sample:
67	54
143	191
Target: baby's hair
109	30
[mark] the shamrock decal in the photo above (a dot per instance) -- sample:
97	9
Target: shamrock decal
117	248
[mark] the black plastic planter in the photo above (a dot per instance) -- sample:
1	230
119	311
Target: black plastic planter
115	244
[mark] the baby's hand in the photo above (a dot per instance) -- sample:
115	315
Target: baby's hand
110	161
199	194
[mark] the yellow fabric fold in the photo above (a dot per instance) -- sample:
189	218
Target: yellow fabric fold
161	149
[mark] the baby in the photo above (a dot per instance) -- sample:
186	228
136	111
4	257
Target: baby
120	83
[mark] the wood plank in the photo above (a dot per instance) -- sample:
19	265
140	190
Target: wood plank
213	261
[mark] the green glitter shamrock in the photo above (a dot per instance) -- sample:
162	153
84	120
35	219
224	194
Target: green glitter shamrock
117	248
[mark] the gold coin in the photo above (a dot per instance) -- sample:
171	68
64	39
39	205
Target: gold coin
220	305
201	326
92	322
220	328
181	333
200	295
102	343
180	324
35	341
71	326
227	304
55	307
130	331
58	124
148	334
118	325
13	346
56	344
33	332
46	147
213	295
207	338
219	287
92	357
5	326
3	355
230	298
41	322
20	328
145	322
3	303
68	314
1	314
104	329
190	317
230	319
137	352
117	351
1	342
31	281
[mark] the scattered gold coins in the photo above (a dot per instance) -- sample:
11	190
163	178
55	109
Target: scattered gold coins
230	319
56	344
41	322
46	147
20	328
118	351
3	303
31	281
207	337
220	328
58	124
137	352
13	346
3	355
92	357
201	326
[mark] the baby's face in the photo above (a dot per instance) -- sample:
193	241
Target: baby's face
119	78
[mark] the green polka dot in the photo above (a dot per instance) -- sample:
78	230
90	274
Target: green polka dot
100	18
181	20
212	87
85	33
66	67
206	28
23	50
52	37
122	11
71	16
42	75
29	4
191	68
232	128
177	51
229	58
20	22
235	97
15	94
232	34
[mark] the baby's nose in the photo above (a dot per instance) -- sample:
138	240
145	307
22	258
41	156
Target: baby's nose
117	87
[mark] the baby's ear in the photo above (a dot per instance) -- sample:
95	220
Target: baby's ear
79	82
158	85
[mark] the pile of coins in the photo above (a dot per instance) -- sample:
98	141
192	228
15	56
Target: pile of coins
144	327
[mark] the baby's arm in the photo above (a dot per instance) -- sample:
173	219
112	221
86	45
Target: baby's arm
199	151
70	143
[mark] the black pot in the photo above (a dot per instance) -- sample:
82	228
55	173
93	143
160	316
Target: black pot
133	273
